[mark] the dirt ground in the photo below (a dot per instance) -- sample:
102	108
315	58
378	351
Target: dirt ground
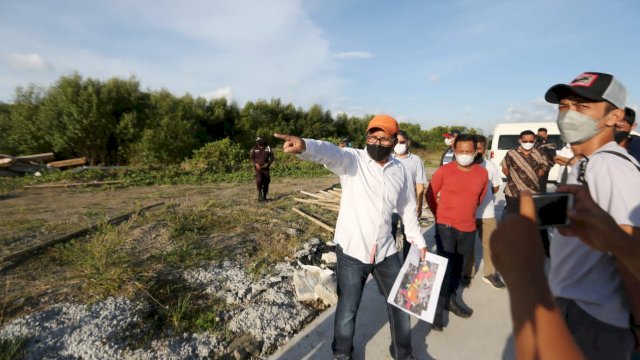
33	216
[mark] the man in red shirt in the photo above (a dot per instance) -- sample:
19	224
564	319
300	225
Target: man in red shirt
462	185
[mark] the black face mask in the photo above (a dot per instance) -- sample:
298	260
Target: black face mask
620	135
540	139
379	152
478	159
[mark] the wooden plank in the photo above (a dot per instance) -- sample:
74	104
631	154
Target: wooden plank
313	219
37	157
335	193
6	162
319	203
93	183
69	162
328	195
312	195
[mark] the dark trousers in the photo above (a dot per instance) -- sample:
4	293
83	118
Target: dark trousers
455	247
262	180
351	275
396	221
596	339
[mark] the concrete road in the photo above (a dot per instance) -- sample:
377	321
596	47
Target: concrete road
485	335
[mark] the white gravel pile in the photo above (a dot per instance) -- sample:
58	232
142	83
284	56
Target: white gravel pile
75	331
265	308
271	312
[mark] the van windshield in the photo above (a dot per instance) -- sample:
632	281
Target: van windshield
508	142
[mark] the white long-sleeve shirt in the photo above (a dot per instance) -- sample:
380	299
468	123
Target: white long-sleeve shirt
370	193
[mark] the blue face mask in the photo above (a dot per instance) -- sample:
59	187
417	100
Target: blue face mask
576	127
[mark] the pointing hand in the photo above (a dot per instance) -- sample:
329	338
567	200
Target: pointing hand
292	144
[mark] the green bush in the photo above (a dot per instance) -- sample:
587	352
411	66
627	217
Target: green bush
222	156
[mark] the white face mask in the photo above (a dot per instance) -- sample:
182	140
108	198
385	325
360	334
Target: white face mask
576	127
527	146
448	141
400	148
464	159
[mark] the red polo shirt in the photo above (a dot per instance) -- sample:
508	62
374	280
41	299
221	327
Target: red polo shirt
460	194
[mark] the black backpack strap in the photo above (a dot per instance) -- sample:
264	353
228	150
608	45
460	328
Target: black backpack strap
583	166
621	156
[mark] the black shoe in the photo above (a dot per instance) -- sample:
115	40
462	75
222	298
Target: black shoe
437	324
465	281
264	197
494	280
457	309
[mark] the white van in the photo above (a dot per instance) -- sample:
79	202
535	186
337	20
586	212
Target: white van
506	135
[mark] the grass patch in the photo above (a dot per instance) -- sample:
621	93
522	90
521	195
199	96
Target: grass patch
104	263
12	349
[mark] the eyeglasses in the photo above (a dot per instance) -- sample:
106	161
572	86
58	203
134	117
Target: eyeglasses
374	139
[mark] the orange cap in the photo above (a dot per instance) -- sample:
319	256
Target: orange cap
385	123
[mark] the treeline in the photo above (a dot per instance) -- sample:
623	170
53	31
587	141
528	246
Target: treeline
115	122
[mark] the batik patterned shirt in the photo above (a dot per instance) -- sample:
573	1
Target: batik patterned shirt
523	171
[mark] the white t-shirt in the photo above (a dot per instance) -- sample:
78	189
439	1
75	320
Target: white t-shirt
415	168
565	152
587	276
486	209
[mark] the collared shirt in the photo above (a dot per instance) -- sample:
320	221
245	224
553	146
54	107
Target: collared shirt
523	171
370	193
415	168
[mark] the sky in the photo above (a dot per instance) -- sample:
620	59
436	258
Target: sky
472	63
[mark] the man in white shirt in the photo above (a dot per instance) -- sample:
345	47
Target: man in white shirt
588	285
373	185
486	220
415	170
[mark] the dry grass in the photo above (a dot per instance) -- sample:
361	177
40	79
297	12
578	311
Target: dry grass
141	257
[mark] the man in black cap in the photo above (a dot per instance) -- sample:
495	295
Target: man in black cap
261	157
594	293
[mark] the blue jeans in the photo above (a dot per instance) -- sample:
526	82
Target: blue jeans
352	275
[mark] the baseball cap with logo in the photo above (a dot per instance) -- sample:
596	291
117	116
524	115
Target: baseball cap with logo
385	123
593	86
451	133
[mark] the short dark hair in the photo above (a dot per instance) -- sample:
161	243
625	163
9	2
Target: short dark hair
629	115
481	139
404	134
466	137
542	129
526	132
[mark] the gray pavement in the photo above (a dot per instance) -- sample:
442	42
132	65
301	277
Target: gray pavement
485	335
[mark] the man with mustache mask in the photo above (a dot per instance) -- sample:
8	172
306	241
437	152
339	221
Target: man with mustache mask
462	185
374	184
623	135
595	294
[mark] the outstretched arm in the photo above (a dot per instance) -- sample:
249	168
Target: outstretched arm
337	160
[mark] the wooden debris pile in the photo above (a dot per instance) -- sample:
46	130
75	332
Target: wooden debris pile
35	164
329	200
